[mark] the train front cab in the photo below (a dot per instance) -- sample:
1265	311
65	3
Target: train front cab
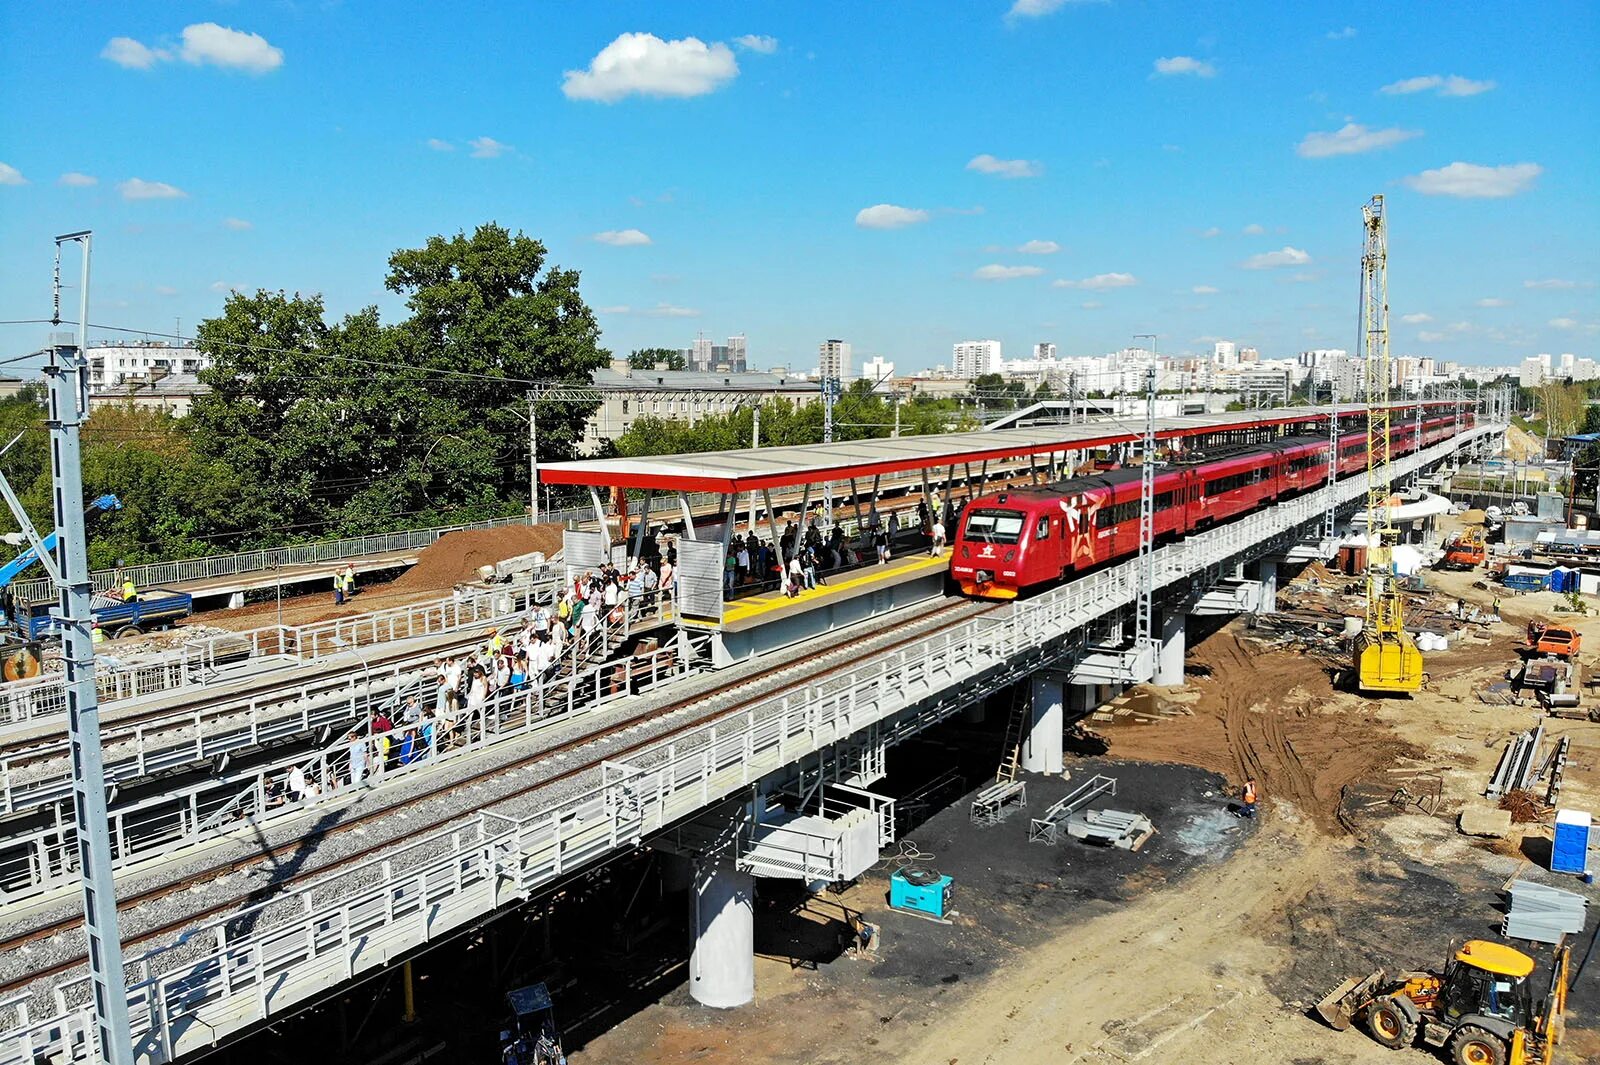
988	547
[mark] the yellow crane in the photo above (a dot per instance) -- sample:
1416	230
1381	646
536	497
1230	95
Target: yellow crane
1386	656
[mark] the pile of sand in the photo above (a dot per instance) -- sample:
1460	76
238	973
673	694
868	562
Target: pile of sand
455	557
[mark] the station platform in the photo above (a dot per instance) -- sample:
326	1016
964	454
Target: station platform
760	623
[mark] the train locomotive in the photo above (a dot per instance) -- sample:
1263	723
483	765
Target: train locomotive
1021	539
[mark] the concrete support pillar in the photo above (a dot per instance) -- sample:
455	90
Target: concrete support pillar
1173	646
1082	697
1268	568
1041	748
722	964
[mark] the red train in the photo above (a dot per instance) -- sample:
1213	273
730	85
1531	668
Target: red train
1033	537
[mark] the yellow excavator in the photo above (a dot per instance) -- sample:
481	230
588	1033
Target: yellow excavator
1481	1009
1385	654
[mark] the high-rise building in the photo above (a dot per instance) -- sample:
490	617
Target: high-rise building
737	356
976	357
1225	353
833	359
1044	352
701	356
1249	355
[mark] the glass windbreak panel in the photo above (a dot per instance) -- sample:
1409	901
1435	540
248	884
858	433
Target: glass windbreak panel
987	526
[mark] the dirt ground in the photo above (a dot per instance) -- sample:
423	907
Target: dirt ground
1211	943
454	558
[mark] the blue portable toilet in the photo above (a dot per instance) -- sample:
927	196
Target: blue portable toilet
1569	853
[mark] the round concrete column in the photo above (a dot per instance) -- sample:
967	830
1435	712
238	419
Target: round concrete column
1268	568
722	964
1174	644
1041	748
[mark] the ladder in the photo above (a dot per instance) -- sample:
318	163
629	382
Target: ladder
1011	752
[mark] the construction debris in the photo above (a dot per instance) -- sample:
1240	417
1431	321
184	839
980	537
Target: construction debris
1543	914
1523	806
1518	763
1110	828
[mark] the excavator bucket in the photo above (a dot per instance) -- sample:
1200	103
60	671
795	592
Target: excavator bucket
1340	1006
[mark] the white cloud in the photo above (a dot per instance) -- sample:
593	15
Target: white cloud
166	290
889	216
1091	305
1214	231
1563	323
1471	181
1430	337
1304	277
225	286
1352	139
1254	229
622	238
10	175
74	180
1006	168
438	145
1493	301
1205	290
1342	35
220	46
1416	319
140	189
996	272
1039	247
1035	8
1184	64
660	310
1454	85
1285	256
643	63
1099	282
203	44
238	224
755	42
487	148
130	54
1553	282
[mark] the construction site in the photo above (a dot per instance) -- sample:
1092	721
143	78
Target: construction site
1225	737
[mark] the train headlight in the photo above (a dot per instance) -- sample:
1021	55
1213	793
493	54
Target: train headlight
966	552
1012	554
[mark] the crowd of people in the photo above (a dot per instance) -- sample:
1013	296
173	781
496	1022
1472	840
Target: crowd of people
801	560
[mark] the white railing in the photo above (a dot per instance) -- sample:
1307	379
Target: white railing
199	660
226	975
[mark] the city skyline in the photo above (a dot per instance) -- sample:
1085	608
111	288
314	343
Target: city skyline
1211	192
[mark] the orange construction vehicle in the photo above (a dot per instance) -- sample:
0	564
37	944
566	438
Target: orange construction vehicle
1465	550
1545	639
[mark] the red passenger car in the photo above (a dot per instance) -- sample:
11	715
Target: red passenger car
1034	537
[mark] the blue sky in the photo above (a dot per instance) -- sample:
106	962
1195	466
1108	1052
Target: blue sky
1197	169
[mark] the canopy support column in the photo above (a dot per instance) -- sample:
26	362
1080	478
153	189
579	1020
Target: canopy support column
777	543
600	514
644	522
688	517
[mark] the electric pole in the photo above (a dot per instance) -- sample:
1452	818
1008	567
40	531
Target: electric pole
830	391
67	380
755	442
1144	620
533	459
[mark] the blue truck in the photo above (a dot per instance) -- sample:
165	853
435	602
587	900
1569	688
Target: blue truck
155	608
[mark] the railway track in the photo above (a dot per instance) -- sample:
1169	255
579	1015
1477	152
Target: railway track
846	646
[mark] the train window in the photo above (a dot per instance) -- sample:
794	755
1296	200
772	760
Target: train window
1042	530
987	526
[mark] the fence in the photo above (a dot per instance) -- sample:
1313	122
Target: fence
241	970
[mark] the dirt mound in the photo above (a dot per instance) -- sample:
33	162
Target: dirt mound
455	557
1268	717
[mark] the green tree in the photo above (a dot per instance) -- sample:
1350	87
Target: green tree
649	358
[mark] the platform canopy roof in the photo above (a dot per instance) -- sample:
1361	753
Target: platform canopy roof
752	469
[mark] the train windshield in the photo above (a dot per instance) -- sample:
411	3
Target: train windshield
994	526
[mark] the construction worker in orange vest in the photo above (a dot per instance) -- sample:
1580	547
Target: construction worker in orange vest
1248	797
